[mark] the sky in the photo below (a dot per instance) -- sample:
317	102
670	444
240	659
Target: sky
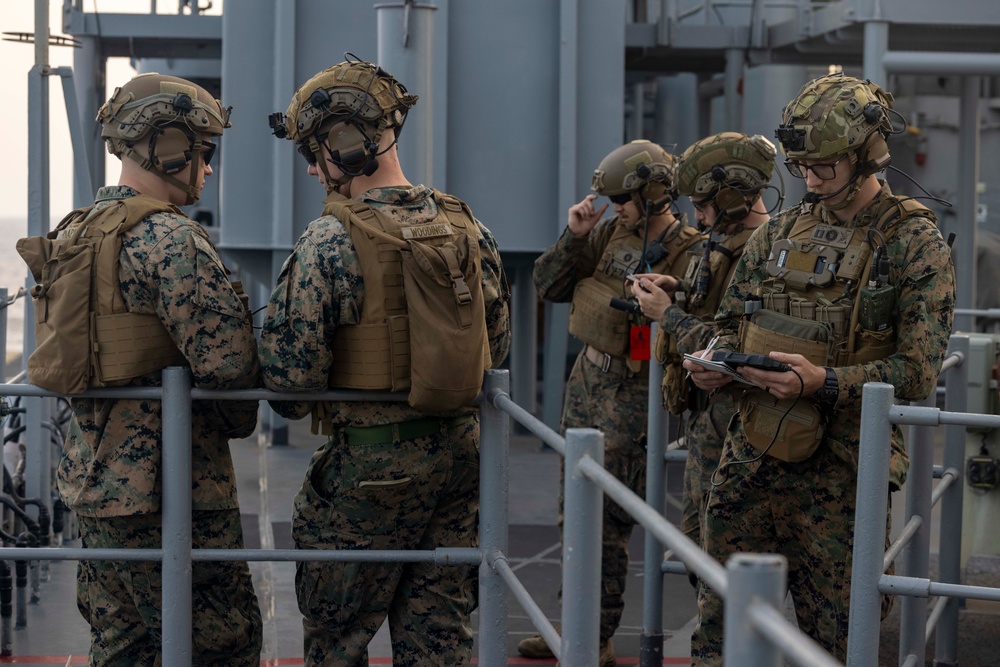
17	60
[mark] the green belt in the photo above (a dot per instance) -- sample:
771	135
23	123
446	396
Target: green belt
400	431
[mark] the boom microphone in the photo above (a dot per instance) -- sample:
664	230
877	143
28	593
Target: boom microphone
813	198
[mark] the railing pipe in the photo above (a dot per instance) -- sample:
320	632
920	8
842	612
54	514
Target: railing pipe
869	524
583	521
755	580
651	639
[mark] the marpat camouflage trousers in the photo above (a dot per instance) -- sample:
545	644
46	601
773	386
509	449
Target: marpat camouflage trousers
122	599
704	437
416	494
803	511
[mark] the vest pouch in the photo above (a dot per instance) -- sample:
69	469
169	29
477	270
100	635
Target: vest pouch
445	305
62	271
791	437
595	322
363	357
768	331
871	346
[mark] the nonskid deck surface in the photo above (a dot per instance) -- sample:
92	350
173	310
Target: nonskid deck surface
56	634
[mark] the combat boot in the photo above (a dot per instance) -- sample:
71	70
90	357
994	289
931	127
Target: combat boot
606	658
535	647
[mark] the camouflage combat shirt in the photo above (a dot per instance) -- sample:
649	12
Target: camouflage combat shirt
111	463
320	288
922	272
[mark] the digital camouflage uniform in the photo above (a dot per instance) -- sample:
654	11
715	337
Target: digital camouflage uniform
805	511
710	415
110	476
421	493
613	402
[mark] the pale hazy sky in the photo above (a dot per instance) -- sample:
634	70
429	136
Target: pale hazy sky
17	60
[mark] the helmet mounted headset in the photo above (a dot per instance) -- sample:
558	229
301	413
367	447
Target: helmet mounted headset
347	108
729	170
170	115
833	116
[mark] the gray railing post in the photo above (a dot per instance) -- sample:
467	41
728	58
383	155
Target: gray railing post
915	559
493	518
950	546
752	577
869	525
651	639
176	462
583	524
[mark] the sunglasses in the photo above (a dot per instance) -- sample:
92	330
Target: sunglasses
621	199
208	151
703	204
306	152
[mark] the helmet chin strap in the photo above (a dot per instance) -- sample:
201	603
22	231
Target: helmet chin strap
193	194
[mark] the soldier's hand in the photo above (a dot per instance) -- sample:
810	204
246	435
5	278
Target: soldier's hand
666	283
703	378
583	217
653	300
786	384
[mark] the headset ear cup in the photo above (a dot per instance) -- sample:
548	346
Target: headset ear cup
170	150
656	191
874	154
732	202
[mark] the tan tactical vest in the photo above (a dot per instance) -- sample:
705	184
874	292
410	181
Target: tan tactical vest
810	306
423	322
79	304
677	394
591	318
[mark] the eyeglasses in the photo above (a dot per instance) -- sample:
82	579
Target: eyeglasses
208	151
824	171
621	199
701	204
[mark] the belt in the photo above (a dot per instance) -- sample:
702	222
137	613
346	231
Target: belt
400	431
605	361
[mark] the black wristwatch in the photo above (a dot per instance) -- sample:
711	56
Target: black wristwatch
828	393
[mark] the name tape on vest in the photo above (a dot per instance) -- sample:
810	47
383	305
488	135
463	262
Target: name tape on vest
427	231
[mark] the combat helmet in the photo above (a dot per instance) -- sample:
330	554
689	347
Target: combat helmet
170	114
837	115
346	106
640	170
728	168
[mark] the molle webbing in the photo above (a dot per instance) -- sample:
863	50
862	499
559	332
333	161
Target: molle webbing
78	302
374	354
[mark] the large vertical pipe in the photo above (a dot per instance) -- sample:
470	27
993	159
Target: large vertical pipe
176	463
869	524
635	129
950	538
282	167
493	518
406	50
88	81
582	527
651	639
875	45
557	314
967	199
733	97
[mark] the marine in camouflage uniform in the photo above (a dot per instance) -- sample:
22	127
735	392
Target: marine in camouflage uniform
805	509
724	175
109	474
607	388
390	476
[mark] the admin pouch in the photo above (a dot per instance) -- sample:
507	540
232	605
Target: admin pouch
788	429
424	325
84	336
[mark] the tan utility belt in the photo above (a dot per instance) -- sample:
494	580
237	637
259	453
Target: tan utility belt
609	363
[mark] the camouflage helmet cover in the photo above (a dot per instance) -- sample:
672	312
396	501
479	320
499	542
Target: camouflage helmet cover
152	101
832	115
348	90
746	163
627	168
